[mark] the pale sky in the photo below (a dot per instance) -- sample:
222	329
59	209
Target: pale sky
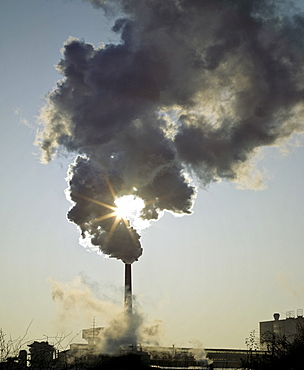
207	278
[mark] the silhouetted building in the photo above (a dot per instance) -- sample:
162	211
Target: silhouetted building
288	328
41	355
208	358
92	335
15	363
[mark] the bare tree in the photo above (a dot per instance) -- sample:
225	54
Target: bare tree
282	354
11	347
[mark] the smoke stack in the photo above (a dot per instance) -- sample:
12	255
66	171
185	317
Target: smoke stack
128	287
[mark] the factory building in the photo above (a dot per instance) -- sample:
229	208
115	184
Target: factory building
42	355
279	328
92	335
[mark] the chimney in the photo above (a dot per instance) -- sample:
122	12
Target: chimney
128	287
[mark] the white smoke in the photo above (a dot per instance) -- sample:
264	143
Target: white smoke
77	304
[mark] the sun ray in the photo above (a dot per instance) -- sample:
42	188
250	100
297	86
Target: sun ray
114	214
110	187
96	201
104	217
113	227
126	222
121	212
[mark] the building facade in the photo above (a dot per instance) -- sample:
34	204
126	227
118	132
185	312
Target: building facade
280	328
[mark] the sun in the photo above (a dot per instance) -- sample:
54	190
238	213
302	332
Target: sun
128	207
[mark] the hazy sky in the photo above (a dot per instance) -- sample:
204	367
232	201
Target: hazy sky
209	277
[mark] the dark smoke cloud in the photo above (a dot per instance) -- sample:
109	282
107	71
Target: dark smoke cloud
194	87
87	182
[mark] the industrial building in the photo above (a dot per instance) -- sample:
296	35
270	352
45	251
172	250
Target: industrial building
279	328
81	356
44	356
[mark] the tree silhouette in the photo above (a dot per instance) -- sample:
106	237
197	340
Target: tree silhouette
283	353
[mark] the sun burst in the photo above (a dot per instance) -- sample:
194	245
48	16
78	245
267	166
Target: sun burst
128	206
127	210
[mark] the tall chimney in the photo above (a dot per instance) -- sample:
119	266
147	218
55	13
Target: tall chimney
128	287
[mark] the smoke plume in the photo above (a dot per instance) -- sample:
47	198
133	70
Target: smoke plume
77	303
193	90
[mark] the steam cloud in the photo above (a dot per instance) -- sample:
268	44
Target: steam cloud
194	88
77	302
